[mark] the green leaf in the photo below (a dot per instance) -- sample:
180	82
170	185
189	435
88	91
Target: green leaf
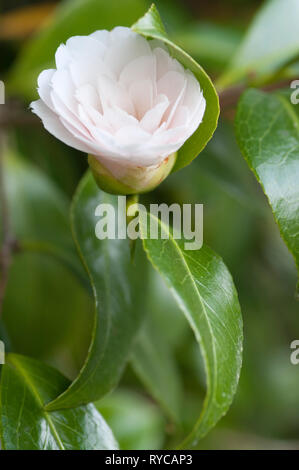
267	129
154	363
134	419
271	42
117	319
211	44
153	356
72	18
206	294
151	27
231	196
26	386
39	322
39	212
46	310
61	163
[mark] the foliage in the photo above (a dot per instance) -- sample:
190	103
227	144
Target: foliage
163	332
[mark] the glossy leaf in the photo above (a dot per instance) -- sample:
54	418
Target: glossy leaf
72	18
61	163
206	294
117	320
150	26
37	205
271	42
46	263
46	310
134	419
154	363
211	44
231	196
153	356
26	386
267	128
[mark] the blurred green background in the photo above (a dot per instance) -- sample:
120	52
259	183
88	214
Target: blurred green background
48	310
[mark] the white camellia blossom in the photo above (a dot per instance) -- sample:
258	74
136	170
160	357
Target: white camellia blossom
125	101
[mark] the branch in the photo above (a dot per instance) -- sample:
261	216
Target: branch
229	97
9	244
13	114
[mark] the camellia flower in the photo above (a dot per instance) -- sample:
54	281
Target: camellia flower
125	101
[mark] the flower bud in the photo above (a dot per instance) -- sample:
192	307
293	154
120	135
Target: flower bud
130	179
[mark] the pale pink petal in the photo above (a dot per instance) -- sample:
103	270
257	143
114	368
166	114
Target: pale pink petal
197	116
180	117
85	59
44	82
120	33
193	92
62	56
88	95
88	73
142	96
126	46
129	137
172	84
102	36
112	94
118	118
67	115
63	87
162	61
173	107
107	144
165	63
86	48
90	117
140	69
53	125
175	136
156	43
152	119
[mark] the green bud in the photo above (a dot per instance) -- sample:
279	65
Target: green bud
134	180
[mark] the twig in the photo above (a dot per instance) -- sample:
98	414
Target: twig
229	97
8	242
13	114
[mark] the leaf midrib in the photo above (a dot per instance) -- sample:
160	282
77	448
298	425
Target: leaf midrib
13	360
181	255
288	109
